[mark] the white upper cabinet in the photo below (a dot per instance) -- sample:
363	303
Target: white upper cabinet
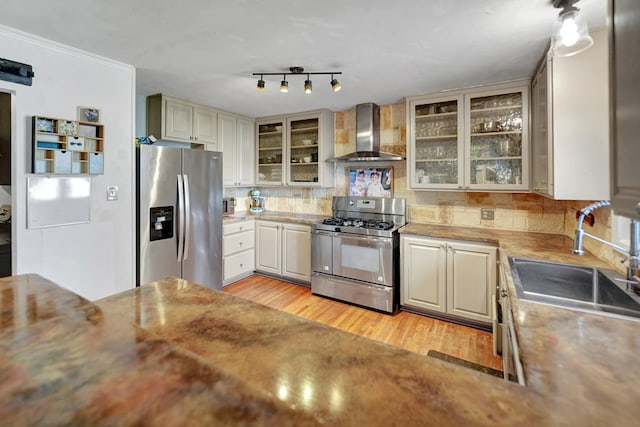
474	139
570	124
176	120
236	138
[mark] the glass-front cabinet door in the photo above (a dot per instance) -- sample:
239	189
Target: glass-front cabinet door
270	144
304	136
437	147
474	139
497	140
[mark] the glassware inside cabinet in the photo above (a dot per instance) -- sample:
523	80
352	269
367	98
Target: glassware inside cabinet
270	152
436	143
496	139
303	154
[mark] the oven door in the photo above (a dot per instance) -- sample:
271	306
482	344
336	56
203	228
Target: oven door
365	258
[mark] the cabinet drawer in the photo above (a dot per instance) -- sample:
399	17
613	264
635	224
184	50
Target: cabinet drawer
237	264
237	242
237	227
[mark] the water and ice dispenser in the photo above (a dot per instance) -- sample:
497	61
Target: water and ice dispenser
161	226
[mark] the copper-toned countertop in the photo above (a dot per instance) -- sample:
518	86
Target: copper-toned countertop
66	361
296	218
171	349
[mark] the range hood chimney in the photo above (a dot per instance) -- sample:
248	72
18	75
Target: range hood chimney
367	137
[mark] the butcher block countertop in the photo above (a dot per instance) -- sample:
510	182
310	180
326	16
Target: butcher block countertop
175	353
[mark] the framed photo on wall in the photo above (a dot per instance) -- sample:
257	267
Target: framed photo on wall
88	114
370	182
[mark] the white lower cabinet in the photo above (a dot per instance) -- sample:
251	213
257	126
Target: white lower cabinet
451	278
238	250
284	249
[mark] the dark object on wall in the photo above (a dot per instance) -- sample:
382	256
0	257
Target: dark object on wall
16	72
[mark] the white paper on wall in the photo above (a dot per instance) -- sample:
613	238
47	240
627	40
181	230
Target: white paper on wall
57	200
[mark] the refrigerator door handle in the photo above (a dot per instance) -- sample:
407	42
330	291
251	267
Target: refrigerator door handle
181	215
187	217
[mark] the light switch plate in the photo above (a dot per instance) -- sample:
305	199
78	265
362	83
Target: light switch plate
112	192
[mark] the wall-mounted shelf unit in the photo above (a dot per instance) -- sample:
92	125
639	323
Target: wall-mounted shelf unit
67	146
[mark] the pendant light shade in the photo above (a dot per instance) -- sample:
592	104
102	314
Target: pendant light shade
284	85
260	85
571	33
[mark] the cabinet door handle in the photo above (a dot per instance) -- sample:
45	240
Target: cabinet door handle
240	228
241	264
240	243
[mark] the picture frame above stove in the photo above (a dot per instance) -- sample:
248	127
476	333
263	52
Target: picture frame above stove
370	181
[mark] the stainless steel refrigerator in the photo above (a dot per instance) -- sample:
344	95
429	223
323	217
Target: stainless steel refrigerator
179	215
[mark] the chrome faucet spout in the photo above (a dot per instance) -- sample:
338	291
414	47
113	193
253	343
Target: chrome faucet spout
632	252
579	236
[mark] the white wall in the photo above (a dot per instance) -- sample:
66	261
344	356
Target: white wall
95	259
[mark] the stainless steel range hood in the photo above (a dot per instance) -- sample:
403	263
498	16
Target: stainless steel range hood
367	137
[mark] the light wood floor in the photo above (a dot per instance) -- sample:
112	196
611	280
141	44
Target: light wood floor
406	330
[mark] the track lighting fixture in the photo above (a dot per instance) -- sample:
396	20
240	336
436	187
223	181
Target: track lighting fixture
308	86
571	34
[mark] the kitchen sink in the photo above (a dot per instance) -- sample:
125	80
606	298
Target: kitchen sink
573	286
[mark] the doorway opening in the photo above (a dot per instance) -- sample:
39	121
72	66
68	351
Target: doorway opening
5	183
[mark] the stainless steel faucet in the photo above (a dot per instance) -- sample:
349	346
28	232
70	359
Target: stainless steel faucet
632	252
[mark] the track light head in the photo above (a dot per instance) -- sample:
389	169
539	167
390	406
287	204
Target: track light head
260	85
284	85
335	84
308	87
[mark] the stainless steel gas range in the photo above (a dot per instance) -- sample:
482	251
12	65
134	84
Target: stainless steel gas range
355	254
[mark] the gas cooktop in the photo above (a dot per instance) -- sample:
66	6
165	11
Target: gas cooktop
365	216
358	223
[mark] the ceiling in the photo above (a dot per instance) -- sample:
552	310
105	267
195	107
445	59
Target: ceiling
205	51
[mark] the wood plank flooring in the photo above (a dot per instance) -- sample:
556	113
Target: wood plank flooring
409	331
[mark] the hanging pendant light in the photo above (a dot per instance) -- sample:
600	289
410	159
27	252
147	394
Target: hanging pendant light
284	85
571	33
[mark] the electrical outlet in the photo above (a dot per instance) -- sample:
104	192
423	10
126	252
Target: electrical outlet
487	214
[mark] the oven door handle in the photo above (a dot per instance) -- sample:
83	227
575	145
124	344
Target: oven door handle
365	237
325	233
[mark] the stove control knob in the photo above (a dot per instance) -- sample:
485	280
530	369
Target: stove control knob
337	230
